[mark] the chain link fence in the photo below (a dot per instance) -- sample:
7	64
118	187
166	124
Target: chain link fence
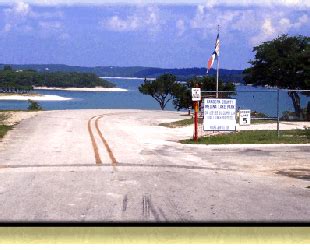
270	109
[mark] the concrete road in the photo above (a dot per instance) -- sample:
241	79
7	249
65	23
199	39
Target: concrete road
119	165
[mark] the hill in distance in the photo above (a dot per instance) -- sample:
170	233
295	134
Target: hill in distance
182	74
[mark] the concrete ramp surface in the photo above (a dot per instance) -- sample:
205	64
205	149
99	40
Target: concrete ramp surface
120	166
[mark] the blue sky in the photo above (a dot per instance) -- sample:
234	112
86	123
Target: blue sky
170	34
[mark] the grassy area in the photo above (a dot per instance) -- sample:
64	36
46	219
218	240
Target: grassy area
263	121
181	123
186	122
4	129
256	137
14	110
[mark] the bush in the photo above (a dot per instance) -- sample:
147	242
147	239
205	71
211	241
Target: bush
256	114
33	105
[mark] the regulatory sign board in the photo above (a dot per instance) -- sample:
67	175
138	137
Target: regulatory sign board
196	94
244	117
219	114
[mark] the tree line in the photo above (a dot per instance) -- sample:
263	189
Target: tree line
166	88
182	74
24	80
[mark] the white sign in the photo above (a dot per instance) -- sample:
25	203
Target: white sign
244	117
219	114
196	94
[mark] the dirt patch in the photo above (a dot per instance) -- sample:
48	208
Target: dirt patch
12	118
301	173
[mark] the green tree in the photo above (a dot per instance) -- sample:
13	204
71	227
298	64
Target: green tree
284	63
182	94
161	89
7	68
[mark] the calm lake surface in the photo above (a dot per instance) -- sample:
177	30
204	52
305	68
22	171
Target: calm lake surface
255	100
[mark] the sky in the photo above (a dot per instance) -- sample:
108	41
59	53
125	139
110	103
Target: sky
166	34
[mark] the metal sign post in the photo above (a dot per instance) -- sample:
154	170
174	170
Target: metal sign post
196	97
196	121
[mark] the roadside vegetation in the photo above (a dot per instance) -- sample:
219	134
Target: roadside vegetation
8	118
180	123
190	121
256	137
4	128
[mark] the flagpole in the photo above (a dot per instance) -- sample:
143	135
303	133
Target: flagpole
218	68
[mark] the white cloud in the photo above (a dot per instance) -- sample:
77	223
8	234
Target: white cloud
16	16
302	20
207	19
180	26
21	8
152	15
267	27
116	23
18	9
277	24
142	19
257	24
21	18
48	25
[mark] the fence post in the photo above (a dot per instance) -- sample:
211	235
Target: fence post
278	110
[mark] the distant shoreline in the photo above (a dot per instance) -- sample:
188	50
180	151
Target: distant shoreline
129	78
99	89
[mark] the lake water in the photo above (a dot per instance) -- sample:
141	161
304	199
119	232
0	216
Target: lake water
255	100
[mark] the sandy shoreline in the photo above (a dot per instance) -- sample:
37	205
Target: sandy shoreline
83	89
8	97
33	97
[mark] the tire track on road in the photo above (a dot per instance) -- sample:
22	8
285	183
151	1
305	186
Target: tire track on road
111	155
104	141
93	141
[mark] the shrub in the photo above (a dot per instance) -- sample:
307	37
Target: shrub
33	105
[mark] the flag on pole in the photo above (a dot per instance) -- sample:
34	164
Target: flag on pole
215	54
